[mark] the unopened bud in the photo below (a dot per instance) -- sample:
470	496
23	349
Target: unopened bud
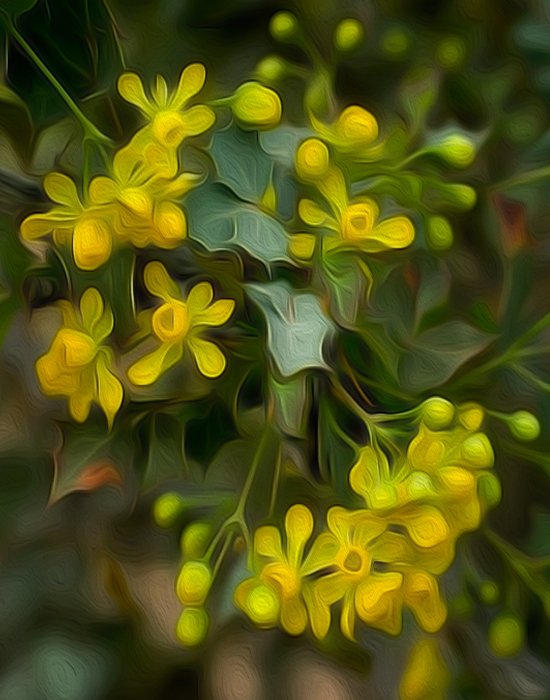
192	626
167	508
439	234
257	105
524	426
506	635
348	35
312	159
193	583
283	26
437	413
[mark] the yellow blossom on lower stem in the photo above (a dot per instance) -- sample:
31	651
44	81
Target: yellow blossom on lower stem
179	323
78	365
276	593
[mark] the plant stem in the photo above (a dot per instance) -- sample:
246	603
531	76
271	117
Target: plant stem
523	179
89	128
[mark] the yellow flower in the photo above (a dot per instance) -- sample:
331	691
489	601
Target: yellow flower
352	131
351	224
170	121
276	593
368	593
88	229
143	192
177	323
77	364
257	106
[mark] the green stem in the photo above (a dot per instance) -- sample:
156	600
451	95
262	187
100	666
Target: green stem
89	128
523	179
531	377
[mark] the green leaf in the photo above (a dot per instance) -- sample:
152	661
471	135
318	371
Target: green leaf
165	450
221	222
418	96
87	460
290	399
297	326
433	290
348	286
241	164
436	354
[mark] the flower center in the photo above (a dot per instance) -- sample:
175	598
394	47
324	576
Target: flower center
358	221
354	561
78	348
170	322
284	578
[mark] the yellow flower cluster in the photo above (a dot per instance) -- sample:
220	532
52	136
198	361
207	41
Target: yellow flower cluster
79	365
376	560
137	203
351	223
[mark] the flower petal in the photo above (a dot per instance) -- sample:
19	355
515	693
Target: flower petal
322	554
329	589
293	616
318	609
378	601
425	524
347	619
131	89
149	368
61	189
397	232
191	82
267	542
170	225
92	243
109	390
210	359
38	225
333	187
81	401
197	120
199	298
54	379
102	190
299	528
216	314
423	596
311	213
91	308
159	283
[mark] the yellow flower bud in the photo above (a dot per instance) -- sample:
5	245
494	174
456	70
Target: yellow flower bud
489	592
506	635
478	452
263	606
437	413
195	538
439	234
426	675
349	34
357	126
194	581
471	416
312	159
283	26
257	105
192	626
524	426
458	150
450	52
167	508
489	489
396	43
271	68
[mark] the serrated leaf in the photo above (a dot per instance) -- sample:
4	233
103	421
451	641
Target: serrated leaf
221	222
436	354
297	326
241	163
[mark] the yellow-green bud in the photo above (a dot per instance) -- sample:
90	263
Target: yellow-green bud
192	626
477	451
471	416
167	508
271	68
437	413
193	583
524	426
349	34
489	592
312	159
283	26
458	150
489	489
463	197
439	234
257	105
195	538
357	126
462	606
426	675
419	485
263	606
396	42
450	52
506	635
